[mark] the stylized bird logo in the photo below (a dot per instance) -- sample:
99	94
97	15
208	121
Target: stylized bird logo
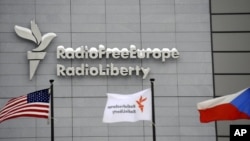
139	102
42	42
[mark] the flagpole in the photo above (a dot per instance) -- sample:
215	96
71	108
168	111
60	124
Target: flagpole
52	109
153	108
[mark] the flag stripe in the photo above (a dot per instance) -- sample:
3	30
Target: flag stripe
14	106
221	112
38	111
26	114
35	104
30	107
14	102
217	101
15	99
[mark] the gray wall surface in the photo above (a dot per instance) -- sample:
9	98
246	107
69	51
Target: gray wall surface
79	101
230	47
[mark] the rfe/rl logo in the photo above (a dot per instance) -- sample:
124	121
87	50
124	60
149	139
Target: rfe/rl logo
239	132
42	42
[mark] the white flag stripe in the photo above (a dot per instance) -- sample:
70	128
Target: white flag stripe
14	104
21	105
13	107
218	101
24	113
24	108
15	99
27	112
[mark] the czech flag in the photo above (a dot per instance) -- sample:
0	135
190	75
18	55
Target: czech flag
229	107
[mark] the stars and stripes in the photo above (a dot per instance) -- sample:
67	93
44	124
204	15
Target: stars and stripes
35	104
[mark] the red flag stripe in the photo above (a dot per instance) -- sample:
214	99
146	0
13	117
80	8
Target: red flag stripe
26	114
46	105
11	108
26	110
15	99
14	104
29	107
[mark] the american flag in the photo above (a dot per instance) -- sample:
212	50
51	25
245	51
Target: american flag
35	104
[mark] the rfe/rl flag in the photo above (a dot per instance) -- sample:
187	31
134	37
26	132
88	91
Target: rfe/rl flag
128	108
35	104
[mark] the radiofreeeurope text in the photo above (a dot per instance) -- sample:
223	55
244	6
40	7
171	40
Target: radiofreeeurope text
84	52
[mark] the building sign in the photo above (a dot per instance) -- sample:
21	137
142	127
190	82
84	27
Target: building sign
84	53
111	69
42	42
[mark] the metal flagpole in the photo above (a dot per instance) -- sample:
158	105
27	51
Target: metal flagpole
52	109
153	108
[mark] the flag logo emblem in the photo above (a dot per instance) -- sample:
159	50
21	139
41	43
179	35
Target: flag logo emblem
140	103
